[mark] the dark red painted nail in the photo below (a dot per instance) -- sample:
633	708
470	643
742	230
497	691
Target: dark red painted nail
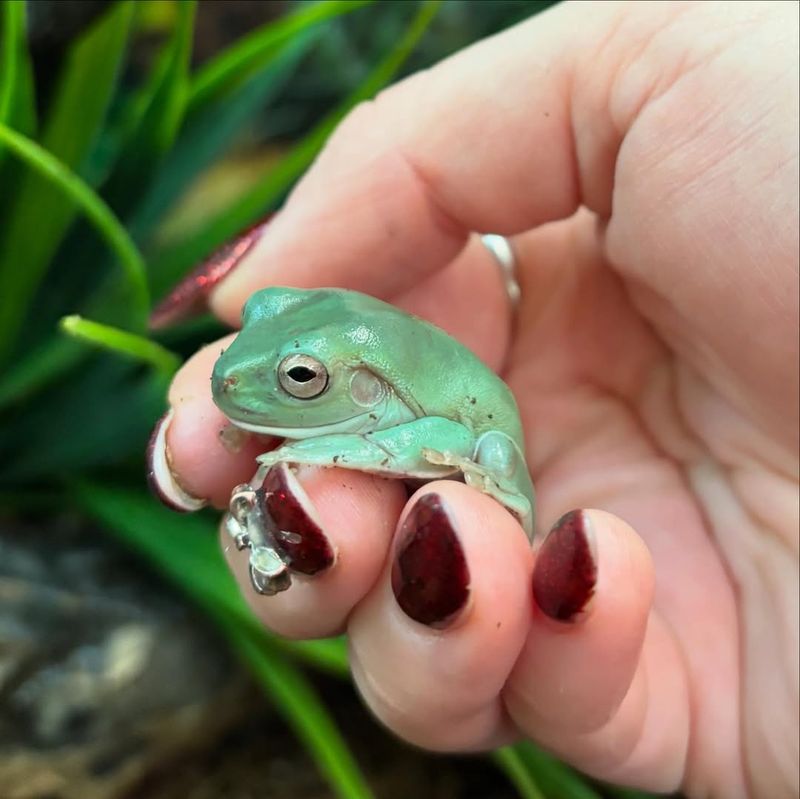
565	573
190	296
300	536
430	578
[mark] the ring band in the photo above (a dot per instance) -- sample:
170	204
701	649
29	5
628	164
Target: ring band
500	247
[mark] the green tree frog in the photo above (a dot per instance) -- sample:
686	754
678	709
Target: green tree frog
352	382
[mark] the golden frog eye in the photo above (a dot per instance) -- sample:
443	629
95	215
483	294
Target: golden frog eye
302	376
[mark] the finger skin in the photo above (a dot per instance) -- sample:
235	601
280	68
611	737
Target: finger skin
585	451
468	300
585	688
204	466
357	513
594	657
390	199
440	688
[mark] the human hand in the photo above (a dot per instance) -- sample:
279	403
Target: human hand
654	357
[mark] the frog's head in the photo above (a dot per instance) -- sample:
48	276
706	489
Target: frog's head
294	369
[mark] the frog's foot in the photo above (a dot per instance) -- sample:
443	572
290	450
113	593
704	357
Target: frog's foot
268	460
497	469
474	474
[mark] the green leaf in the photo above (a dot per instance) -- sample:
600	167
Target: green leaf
205	134
99	418
50	360
39	217
257	201
292	695
119	341
518	773
554	779
55	173
169	91
328	654
208	132
16	100
238	83
186	549
86	85
55	355
625	793
239	62
155	116
13	33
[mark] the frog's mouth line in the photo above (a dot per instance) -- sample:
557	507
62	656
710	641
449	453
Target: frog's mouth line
355	424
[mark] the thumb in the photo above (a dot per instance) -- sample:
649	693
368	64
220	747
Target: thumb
457	148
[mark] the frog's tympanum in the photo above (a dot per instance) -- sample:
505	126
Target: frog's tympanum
352	382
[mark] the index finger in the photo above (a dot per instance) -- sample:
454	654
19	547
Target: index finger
485	141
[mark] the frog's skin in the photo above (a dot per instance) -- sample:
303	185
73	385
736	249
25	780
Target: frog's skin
401	398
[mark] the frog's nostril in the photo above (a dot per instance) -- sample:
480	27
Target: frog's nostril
222	383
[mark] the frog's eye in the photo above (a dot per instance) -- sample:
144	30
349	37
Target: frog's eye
302	376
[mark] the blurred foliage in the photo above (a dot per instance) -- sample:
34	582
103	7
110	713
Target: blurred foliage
111	114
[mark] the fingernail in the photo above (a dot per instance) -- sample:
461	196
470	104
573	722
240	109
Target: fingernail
430	578
160	475
565	573
190	296
299	533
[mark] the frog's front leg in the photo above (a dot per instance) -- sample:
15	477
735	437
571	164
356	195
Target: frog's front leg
394	452
497	468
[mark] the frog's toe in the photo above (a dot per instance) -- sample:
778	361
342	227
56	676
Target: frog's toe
445	458
506	493
435	457
268	458
478	476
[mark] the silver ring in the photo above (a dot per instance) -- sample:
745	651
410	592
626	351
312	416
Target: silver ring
500	247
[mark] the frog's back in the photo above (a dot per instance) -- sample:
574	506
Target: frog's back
434	374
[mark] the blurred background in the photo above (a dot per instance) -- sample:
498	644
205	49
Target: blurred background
135	137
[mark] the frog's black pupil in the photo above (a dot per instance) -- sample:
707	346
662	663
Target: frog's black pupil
301	374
